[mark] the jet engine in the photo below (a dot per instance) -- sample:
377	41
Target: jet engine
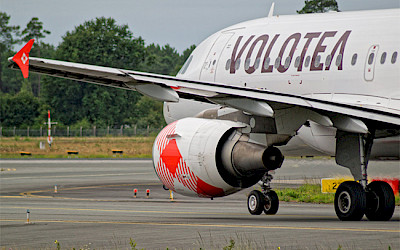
210	158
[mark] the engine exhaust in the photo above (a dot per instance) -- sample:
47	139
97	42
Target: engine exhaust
244	163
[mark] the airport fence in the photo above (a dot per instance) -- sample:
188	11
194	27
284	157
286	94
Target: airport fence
80	132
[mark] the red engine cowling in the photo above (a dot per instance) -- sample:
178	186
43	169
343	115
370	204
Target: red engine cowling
210	158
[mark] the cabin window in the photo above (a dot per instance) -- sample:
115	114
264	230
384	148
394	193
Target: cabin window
266	63
237	64
383	57
317	61
287	62
354	59
186	65
328	60
257	63
277	62
214	62
394	57
371	58
339	60
228	64
297	62
247	64
307	62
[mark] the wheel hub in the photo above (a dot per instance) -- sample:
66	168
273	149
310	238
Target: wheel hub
268	202
344	202
252	202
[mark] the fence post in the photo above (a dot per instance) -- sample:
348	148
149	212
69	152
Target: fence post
41	134
80	132
54	134
148	129
108	130
1	131
135	129
94	131
122	126
14	131
27	132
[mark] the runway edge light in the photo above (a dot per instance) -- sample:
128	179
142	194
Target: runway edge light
28	214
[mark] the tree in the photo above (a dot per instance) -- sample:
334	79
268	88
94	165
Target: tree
34	29
7	40
19	110
98	42
319	6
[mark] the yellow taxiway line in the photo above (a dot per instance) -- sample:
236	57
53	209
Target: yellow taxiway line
209	225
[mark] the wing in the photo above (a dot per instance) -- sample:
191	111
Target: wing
347	117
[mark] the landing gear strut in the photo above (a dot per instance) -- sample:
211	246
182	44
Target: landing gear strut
354	199
266	201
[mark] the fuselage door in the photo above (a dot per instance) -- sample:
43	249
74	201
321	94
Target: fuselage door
210	64
370	63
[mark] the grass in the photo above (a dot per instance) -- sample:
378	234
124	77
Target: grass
311	193
88	147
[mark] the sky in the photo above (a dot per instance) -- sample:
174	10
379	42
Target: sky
179	23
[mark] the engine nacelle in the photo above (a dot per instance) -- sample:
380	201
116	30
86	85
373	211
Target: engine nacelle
210	158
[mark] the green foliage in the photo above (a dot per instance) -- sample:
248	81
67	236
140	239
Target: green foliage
34	29
102	42
18	110
319	6
10	81
231	245
58	246
309	193
8	38
7	33
98	42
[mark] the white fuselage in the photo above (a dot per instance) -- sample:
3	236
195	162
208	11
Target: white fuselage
350	58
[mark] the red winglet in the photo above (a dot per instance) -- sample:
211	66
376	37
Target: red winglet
22	58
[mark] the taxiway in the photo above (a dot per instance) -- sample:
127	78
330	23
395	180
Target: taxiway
94	207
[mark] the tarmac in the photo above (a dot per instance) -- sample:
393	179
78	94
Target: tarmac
95	208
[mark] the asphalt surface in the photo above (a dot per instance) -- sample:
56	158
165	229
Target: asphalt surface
94	208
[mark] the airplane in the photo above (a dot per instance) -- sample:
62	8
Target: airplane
252	93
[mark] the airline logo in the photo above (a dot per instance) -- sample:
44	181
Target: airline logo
22	58
337	43
173	171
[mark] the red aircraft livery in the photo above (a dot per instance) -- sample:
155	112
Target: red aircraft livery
172	168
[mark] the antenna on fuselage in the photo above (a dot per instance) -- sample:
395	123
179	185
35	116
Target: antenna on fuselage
271	10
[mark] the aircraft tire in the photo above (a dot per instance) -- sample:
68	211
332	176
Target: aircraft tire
380	201
255	202
350	201
271	203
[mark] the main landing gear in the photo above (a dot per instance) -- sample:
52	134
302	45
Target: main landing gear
354	199
266	201
376	201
